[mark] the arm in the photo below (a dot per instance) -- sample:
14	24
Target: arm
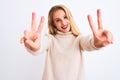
87	43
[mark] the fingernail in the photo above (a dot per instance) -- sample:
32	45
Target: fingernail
27	41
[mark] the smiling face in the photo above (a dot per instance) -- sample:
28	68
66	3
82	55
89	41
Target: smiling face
60	18
61	21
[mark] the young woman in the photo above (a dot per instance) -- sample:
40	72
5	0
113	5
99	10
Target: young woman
64	44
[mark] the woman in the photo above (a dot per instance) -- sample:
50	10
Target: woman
64	44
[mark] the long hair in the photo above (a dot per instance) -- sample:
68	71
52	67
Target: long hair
52	29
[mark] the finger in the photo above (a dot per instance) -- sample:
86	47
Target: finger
26	34
109	36
22	40
26	44
94	30
99	19
29	42
40	27
33	45
33	23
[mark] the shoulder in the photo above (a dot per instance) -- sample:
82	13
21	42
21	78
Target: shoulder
47	37
84	37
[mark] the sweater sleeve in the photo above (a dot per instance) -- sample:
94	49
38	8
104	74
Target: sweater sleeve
87	43
45	44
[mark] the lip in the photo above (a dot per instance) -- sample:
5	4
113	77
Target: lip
64	27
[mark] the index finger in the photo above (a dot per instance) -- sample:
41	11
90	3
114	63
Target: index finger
99	19
40	27
33	23
94	30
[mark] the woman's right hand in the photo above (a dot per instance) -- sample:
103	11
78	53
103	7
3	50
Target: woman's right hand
31	39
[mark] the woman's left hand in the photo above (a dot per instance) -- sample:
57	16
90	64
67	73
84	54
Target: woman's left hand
102	37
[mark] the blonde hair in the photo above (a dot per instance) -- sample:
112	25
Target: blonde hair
52	28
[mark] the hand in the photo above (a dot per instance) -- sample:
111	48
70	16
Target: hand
102	37
31	39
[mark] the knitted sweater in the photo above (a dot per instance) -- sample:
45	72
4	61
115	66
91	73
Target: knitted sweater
64	55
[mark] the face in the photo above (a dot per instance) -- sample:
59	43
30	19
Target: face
61	21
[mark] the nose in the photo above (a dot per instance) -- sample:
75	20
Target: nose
63	22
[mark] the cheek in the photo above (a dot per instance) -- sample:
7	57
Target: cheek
57	25
69	23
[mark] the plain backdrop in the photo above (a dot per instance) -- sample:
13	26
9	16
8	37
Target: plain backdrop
15	16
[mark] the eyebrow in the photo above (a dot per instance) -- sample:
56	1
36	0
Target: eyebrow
59	18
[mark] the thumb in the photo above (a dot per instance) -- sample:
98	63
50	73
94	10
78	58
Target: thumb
33	45
29	42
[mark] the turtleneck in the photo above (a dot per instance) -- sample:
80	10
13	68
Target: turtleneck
61	34
64	55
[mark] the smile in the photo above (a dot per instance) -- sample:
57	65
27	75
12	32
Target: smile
64	27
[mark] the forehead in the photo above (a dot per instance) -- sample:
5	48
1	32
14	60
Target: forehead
58	13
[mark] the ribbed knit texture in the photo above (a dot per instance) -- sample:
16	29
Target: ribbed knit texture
64	55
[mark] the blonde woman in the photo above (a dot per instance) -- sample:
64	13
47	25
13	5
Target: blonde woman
64	44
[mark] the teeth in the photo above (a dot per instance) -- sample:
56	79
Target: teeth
64	27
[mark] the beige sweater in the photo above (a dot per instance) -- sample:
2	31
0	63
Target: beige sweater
64	55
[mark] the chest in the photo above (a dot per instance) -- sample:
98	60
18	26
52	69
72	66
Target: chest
65	45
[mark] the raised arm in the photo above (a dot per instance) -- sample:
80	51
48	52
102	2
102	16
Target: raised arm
31	39
102	37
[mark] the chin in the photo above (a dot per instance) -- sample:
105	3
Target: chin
66	31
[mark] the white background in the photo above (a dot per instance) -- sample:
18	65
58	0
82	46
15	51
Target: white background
15	16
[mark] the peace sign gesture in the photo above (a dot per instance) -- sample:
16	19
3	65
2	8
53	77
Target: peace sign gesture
102	37
31	38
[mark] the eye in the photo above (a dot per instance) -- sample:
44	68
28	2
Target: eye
57	20
65	17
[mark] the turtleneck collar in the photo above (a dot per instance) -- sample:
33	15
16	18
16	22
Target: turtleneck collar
61	34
